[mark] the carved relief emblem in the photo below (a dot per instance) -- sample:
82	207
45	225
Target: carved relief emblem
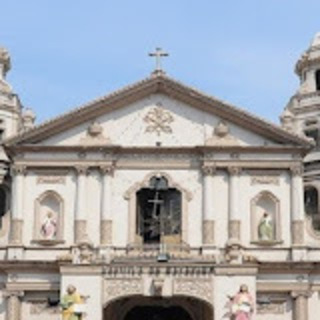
158	120
222	136
95	135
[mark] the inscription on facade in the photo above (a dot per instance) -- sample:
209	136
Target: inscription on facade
265	180
51	180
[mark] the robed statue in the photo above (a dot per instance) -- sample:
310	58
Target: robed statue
72	304
242	304
266	228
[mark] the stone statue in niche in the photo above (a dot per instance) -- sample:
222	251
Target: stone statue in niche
49	227
266	228
242	304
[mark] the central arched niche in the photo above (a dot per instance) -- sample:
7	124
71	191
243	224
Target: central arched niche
158	308
159	212
131	195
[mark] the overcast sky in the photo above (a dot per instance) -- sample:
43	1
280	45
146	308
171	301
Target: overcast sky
68	52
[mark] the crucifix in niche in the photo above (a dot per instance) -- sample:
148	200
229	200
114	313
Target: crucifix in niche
159	213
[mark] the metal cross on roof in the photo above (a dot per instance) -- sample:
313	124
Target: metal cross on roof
158	54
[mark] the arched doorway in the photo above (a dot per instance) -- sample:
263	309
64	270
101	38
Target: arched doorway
158	308
158	313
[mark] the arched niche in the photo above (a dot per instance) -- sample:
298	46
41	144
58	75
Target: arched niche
49	212
265	209
311	207
131	197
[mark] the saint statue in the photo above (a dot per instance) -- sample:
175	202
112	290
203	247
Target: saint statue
242	304
49	227
71	304
265	228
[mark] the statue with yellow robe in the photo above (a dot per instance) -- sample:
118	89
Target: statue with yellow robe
70	304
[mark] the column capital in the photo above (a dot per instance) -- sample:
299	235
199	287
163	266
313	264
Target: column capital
18	169
234	170
208	170
13	293
107	169
301	293
296	170
82	169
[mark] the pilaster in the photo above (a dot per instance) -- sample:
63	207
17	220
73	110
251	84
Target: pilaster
80	225
106	205
13	304
208	235
234	225
300	305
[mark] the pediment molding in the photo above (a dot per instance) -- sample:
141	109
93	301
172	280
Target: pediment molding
152	85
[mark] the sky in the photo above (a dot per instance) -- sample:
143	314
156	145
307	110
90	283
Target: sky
67	53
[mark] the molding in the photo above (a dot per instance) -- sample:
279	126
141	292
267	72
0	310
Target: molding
157	84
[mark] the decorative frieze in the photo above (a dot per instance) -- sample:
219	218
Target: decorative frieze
122	287
200	288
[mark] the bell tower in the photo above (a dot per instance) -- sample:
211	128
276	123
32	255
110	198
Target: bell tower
10	106
302	116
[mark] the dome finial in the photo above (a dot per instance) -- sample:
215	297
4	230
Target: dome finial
5	63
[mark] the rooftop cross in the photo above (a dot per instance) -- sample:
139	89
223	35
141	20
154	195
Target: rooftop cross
158	54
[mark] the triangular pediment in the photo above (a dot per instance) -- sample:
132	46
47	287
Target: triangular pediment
156	107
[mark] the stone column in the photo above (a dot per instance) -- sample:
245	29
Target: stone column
208	210
106	206
80	227
13	304
297	205
17	173
234	214
300	305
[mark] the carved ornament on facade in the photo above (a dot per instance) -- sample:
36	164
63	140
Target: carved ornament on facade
221	136
95	135
82	169
234	170
199	288
18	169
158	120
297	170
107	169
122	287
209	170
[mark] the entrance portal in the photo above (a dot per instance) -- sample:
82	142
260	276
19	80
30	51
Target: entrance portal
158	308
157	313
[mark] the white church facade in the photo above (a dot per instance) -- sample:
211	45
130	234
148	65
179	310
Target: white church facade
158	201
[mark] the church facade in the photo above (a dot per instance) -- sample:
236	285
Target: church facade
158	201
